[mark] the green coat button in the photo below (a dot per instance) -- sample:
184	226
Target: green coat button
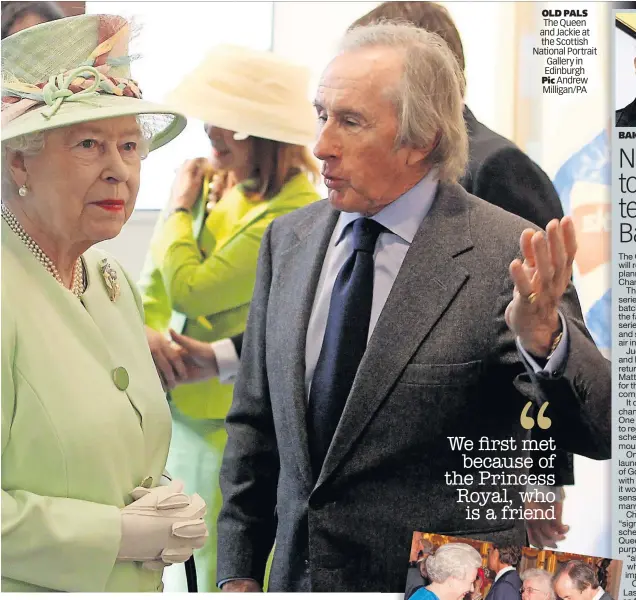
121	379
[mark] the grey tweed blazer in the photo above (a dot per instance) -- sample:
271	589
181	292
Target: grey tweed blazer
441	362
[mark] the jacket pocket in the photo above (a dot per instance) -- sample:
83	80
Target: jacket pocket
452	374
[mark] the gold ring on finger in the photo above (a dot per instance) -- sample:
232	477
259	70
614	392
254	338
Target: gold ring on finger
531	298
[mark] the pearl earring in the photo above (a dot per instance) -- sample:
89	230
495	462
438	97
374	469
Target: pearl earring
24	190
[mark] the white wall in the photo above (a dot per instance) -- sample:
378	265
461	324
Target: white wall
487	31
308	32
130	246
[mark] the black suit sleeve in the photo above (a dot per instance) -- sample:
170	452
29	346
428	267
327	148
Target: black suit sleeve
508	178
237	341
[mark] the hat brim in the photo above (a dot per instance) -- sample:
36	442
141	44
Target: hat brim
102	107
245	117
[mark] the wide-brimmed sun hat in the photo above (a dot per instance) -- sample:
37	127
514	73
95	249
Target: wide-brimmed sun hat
250	92
72	71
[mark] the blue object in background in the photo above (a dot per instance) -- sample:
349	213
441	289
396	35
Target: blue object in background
590	164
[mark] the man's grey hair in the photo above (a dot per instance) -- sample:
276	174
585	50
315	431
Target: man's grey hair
540	575
429	97
452	560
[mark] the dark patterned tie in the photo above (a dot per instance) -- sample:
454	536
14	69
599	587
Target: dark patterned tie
345	341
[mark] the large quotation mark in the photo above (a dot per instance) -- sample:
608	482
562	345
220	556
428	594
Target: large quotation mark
527	422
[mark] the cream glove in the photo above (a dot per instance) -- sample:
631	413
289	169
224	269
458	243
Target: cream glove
162	526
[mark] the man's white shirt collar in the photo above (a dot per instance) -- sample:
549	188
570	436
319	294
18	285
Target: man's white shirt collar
599	593
504	571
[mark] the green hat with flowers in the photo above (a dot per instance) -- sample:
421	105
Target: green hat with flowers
72	71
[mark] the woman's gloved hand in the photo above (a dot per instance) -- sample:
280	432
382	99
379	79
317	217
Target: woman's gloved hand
162	526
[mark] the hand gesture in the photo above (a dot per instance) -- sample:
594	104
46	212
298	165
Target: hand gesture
198	357
545	533
167	358
540	282
187	184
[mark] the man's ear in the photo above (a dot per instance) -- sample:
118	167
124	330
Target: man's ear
417	155
17	167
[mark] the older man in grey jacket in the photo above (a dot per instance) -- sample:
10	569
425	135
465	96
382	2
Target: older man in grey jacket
395	315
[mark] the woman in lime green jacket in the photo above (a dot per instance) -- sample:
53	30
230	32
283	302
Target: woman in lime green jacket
200	272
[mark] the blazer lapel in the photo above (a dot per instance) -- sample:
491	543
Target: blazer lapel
198	211
287	197
298	275
426	284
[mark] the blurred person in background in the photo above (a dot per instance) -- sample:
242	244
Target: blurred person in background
85	423
478	586
201	268
417	577
452	571
602	566
17	16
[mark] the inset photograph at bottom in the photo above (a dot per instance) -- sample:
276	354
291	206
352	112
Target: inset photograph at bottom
443	567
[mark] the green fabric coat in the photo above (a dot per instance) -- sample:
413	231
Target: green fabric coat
73	444
198	278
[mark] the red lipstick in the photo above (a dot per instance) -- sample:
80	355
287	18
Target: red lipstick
111	204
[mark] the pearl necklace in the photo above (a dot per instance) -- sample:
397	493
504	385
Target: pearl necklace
78	272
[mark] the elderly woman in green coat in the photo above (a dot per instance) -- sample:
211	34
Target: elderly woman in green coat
85	422
201	268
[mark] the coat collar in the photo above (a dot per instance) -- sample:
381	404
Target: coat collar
293	194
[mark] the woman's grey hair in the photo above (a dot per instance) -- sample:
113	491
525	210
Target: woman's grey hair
452	560
429	99
33	143
28	145
544	577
